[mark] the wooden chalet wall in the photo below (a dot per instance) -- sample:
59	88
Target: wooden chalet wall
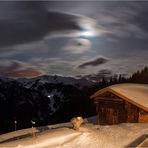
113	110
143	116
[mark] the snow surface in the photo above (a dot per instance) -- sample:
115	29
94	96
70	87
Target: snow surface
89	135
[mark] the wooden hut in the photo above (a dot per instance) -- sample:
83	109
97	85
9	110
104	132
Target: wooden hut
122	103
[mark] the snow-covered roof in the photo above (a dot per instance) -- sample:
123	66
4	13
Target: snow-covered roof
136	94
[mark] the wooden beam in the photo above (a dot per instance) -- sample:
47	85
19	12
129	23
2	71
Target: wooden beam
97	111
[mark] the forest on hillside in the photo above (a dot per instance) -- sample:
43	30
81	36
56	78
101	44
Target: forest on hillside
141	76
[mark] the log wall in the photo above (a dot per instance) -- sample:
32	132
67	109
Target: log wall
113	110
143	117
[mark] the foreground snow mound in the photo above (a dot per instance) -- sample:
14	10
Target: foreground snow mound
89	135
52	138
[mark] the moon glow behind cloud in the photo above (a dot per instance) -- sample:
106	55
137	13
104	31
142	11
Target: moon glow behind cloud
87	33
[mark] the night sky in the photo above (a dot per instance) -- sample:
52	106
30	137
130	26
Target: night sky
73	38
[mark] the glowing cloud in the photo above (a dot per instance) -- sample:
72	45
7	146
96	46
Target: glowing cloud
17	69
77	46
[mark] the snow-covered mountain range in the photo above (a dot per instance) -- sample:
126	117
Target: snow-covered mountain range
45	99
54	79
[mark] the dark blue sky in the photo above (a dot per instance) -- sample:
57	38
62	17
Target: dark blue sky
73	38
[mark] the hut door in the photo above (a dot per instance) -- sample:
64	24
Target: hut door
108	115
111	116
112	112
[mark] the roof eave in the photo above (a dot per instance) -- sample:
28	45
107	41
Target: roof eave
100	92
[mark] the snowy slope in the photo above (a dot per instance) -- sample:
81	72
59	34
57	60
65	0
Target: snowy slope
89	135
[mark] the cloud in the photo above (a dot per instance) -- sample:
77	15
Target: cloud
32	21
95	62
103	73
28	72
120	19
77	46
123	22
23	22
66	66
58	40
16	69
54	65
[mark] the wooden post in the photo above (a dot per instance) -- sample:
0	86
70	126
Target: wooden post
15	124
33	129
97	111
